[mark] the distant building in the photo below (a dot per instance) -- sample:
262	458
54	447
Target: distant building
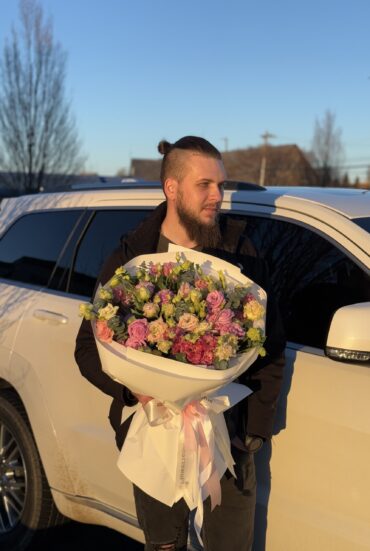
285	165
145	169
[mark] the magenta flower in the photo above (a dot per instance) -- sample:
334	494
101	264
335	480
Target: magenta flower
165	295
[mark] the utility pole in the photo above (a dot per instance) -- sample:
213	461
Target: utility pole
226	142
266	136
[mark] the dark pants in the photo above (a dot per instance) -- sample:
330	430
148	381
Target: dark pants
229	526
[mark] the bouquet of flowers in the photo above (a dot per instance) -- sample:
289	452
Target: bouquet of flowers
178	327
187	309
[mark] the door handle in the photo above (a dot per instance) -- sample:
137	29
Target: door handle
52	317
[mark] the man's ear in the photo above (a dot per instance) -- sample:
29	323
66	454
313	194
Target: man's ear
170	188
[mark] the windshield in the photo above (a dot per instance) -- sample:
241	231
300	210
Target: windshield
363	223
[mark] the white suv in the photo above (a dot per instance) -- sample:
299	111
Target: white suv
57	450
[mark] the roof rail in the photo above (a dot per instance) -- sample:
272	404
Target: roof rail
132	183
234	185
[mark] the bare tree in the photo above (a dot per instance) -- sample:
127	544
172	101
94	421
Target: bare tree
39	145
327	149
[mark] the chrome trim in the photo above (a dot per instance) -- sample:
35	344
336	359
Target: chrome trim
102	507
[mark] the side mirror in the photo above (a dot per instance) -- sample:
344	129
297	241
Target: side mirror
349	334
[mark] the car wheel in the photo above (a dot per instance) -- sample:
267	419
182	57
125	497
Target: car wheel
26	504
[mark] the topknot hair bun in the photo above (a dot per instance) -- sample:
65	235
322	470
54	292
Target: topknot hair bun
164	147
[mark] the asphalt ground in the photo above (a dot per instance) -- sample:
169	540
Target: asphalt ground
74	536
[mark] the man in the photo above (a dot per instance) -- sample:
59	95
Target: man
193	176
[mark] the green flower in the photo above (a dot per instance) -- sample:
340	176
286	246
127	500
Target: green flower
105	294
108	312
168	309
143	293
164	346
195	296
86	311
222	279
114	281
254	334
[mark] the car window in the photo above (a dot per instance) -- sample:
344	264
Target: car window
59	277
31	246
310	276
363	223
101	238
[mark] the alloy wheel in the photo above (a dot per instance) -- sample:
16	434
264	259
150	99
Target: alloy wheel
13	480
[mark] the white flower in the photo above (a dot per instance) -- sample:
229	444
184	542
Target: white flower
108	312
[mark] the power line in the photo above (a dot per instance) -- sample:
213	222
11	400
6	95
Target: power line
266	136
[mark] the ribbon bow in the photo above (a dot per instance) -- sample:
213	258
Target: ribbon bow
204	451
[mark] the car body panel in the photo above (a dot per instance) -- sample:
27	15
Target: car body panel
79	411
320	481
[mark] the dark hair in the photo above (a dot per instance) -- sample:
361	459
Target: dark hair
173	161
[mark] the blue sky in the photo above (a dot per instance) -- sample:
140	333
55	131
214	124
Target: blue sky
139	71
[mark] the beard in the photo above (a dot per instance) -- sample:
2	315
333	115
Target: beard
205	235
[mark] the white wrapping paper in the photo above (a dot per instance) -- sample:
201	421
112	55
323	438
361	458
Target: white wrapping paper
167	379
178	445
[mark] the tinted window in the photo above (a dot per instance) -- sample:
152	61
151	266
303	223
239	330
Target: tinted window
363	223
31	246
310	276
101	238
61	271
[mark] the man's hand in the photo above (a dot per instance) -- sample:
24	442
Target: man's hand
143	399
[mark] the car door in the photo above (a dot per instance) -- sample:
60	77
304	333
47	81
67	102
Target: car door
313	481
78	409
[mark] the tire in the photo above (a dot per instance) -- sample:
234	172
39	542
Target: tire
26	504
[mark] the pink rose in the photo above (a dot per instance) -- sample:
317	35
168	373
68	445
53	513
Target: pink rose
215	300
167	268
201	284
212	317
208	357
194	355
224	320
103	332
237	330
137	331
132	343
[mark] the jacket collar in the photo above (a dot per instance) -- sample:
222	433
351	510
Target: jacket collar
145	238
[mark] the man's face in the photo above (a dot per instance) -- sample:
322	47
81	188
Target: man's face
200	191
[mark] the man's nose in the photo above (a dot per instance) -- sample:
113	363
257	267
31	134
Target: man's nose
216	193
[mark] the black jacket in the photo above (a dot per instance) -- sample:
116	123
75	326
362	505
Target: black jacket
255	414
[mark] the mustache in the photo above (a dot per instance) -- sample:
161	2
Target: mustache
215	206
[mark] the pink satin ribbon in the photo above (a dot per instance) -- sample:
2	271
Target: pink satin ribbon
194	417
